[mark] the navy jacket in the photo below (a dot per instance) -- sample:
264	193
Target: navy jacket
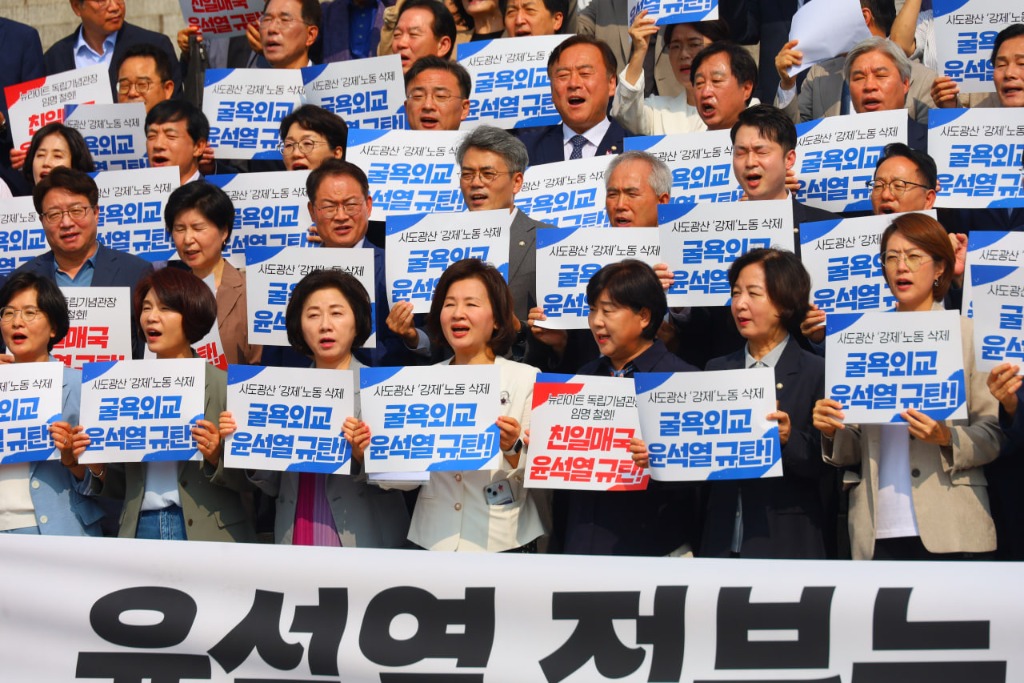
544	144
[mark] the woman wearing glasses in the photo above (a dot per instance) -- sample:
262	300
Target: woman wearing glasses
309	136
922	491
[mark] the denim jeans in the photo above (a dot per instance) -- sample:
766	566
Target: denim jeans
165	525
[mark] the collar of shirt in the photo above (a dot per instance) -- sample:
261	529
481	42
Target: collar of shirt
194	177
83	278
86	56
771	359
645	362
593	136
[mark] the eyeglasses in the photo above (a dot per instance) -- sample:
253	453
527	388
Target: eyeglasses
913	259
76	213
897	186
487	175
351	208
285	21
142	86
441	97
304	146
27	314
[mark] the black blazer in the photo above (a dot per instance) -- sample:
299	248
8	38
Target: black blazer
21	60
782	517
544	144
61	56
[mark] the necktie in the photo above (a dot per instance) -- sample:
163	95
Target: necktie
577	142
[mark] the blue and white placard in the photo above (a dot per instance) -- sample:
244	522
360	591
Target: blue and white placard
409	171
222	17
33	104
114	133
996	264
699	242
843	259
978	152
441	417
420	247
701	164
366	93
30	400
567	194
580	430
142	410
709	425
273	272
511	88
131	214
245	108
568	257
289	419
22	237
965	33
101	326
883	362
836	157
674	11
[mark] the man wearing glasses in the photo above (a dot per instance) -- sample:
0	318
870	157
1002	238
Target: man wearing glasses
144	75
436	94
104	37
288	29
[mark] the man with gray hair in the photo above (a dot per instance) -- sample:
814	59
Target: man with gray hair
635	184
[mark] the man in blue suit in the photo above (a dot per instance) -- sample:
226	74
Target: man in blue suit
103	38
582	73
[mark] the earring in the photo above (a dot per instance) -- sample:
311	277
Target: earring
936	283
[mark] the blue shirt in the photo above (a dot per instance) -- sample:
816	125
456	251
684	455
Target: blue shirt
82	279
86	56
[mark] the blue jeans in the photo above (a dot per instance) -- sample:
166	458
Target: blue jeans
164	525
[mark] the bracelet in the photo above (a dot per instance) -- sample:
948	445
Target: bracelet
98	475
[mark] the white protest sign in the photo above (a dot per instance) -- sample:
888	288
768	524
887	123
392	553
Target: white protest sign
699	242
836	157
825	30
289	419
965	34
674	11
221	17
33	104
441	417
996	265
409	171
701	164
580	430
142	410
879	365
978	153
30	400
22	237
709	425
114	133
131	214
245	108
568	257
366	93
273	272
567	194
101	326
420	248
511	88
843	259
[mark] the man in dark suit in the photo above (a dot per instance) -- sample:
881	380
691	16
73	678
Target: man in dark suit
764	22
103	38
582	73
21	60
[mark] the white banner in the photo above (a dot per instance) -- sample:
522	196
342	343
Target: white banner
511	88
114	133
965	33
101	326
289	419
22	237
421	247
366	93
568	257
441	417
567	194
710	425
836	157
30	400
273	272
996	266
221	17
674	11
879	365
142	410
580	430
245	108
978	153
33	104
409	171
131	214
699	242
701	164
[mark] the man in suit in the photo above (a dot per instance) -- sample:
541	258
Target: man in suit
144	75
437	94
765	23
21	60
103	38
582	73
288	30
423	27
724	76
176	135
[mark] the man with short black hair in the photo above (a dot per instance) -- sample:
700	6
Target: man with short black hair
423	28
436	94
288	29
176	135
724	77
144	75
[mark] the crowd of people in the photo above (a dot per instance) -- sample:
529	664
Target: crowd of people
920	489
